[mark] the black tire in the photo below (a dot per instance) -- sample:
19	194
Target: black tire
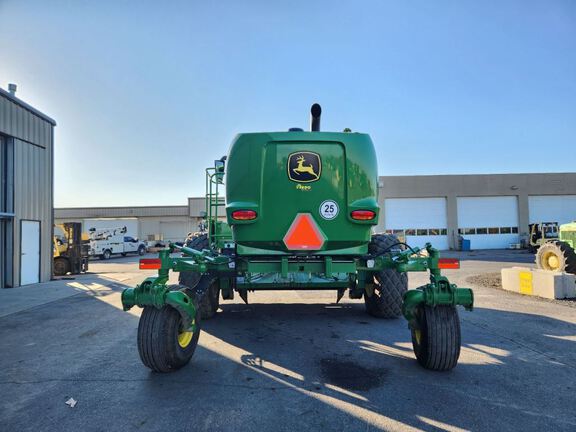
61	266
207	296
106	254
141	250
389	285
561	252
437	345
158	343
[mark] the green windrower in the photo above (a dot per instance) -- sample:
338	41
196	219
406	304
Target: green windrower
298	213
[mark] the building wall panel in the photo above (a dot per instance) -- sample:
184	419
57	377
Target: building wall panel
112	212
33	200
19	120
560	208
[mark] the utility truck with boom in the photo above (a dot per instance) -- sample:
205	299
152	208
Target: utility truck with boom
300	209
105	242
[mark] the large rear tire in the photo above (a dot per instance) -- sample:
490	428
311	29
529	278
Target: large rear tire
556	256
389	284
207	296
437	339
164	344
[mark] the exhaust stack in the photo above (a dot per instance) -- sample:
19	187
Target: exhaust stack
315	113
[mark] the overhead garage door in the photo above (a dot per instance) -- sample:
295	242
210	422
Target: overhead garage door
488	222
175	231
558	208
419	220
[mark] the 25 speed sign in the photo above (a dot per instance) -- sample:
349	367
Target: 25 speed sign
329	209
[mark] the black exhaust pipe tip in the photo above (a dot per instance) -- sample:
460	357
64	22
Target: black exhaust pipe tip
315	113
316	110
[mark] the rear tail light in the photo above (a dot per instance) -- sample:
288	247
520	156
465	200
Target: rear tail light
150	263
244	215
448	263
363	215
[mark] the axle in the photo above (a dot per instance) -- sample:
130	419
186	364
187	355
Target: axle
247	273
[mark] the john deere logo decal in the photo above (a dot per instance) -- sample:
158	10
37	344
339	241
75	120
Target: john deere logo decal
304	167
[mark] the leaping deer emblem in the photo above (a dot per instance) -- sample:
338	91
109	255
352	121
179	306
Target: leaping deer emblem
301	168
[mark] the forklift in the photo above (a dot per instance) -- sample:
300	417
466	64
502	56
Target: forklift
70	250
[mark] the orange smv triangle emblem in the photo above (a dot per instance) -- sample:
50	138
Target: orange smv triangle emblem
304	234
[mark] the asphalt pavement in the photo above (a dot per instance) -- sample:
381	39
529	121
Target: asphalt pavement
290	360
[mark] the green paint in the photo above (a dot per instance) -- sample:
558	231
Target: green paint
258	178
154	292
568	234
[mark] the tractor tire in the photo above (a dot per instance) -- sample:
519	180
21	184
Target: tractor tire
61	266
556	256
437	341
207	297
389	284
163	344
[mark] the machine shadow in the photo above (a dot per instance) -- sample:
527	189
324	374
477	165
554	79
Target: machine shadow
339	357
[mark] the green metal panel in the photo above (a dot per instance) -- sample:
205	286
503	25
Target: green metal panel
259	178
568	234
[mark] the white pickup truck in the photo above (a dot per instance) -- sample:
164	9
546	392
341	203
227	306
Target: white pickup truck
105	245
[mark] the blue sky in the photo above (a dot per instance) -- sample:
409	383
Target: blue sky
146	94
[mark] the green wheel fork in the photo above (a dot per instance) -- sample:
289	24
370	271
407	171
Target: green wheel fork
434	322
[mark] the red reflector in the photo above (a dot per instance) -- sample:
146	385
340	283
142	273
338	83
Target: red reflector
304	234
363	214
150	263
244	214
448	263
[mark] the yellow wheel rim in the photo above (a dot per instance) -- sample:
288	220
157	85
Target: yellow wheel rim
551	261
418	336
184	338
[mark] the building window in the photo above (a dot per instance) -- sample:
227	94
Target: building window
489	231
419	232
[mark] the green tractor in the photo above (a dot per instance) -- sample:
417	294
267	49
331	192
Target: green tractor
300	209
560	254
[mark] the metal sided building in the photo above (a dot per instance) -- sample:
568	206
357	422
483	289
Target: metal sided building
26	192
492	211
168	223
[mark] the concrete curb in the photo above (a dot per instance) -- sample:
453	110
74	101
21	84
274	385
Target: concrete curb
540	283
